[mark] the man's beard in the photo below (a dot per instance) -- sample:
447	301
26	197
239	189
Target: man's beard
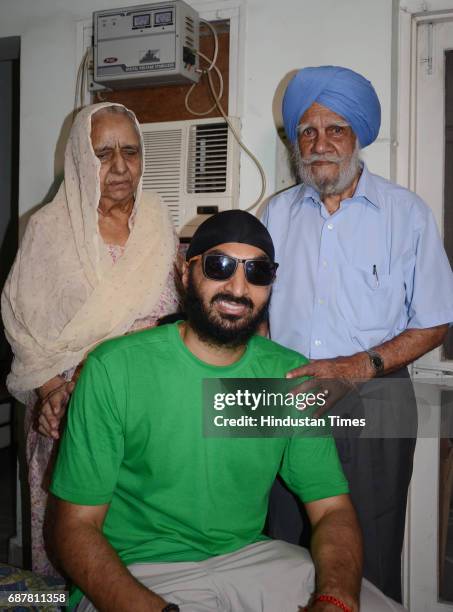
218	329
348	170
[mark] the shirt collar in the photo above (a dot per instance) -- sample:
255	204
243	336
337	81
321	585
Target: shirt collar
365	190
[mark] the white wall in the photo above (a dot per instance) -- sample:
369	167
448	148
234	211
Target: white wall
279	36
418	6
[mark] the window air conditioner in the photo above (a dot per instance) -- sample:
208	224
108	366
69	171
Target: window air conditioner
194	166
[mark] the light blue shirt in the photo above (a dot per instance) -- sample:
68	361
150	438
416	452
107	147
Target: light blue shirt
352	280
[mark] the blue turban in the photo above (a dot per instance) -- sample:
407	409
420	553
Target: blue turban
341	90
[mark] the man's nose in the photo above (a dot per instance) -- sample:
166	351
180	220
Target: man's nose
321	143
237	284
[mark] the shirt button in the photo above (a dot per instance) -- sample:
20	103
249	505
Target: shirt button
317	342
330	226
324	264
320	301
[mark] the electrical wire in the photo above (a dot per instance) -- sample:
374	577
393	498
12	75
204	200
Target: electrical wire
192	87
81	87
217	98
77	86
241	144
81	84
85	70
216	43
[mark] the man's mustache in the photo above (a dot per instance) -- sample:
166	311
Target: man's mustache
227	297
336	159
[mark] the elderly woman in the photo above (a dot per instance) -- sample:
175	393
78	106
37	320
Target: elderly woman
94	263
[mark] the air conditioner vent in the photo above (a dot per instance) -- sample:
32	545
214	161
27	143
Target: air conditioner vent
207	161
162	167
194	166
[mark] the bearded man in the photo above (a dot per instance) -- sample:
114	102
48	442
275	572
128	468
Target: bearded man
365	289
152	515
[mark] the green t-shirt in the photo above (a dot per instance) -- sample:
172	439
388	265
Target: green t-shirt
134	440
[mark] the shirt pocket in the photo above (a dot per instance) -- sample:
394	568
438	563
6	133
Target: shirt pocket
369	299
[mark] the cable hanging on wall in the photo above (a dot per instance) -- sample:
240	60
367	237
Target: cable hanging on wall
81	83
217	99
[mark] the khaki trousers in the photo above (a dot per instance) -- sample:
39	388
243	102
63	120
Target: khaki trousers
270	576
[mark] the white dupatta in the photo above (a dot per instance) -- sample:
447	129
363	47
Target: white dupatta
64	295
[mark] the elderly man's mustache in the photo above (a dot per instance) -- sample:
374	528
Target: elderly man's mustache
336	159
227	297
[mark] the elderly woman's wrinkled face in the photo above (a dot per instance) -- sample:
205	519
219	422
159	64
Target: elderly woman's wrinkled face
116	144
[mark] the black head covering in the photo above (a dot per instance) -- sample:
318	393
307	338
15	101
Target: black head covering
231	226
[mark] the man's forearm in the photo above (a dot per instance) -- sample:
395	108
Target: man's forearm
93	565
336	549
396	353
409	346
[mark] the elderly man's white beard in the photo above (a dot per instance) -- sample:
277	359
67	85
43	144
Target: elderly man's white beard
346	176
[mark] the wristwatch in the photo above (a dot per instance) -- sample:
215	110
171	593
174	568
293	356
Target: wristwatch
171	607
376	361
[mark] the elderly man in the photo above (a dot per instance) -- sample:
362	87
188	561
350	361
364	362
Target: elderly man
152	515
365	289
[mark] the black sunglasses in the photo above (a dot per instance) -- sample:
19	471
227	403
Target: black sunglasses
221	267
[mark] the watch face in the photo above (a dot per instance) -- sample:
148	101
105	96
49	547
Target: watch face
377	362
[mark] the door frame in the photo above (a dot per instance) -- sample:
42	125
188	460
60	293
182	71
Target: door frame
406	88
405	120
427	450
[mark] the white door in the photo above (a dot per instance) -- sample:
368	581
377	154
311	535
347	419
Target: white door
430	528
